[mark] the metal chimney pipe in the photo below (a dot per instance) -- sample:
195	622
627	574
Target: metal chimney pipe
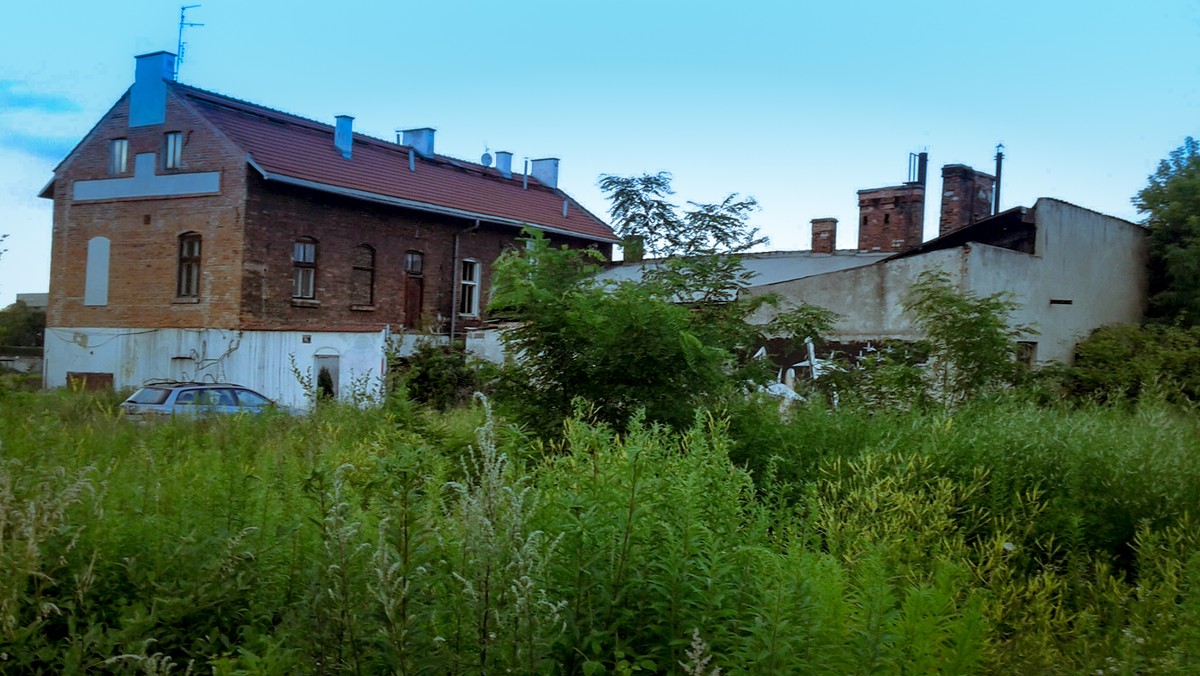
999	162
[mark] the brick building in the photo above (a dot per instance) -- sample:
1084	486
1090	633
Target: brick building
202	237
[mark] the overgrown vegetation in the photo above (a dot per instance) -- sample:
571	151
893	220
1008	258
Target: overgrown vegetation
1171	202
1005	538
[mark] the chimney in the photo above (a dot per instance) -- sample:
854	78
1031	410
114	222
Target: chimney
343	135
504	163
420	140
545	171
148	96
966	197
824	234
892	218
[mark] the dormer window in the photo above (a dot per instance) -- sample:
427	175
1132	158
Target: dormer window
173	150
118	156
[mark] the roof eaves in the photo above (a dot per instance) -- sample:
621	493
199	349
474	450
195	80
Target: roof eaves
420	206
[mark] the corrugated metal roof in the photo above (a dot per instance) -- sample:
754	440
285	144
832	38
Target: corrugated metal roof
285	145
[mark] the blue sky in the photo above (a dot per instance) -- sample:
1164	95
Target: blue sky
799	104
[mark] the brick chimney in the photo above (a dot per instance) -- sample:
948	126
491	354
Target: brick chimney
891	218
966	197
824	235
545	171
343	135
420	140
148	96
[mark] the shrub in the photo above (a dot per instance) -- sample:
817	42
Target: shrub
1124	362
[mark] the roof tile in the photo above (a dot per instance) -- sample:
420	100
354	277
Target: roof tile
298	148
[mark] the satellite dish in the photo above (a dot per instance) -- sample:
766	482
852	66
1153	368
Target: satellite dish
486	160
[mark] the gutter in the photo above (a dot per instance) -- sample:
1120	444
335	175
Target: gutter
420	206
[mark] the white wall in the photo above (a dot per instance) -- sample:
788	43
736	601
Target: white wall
260	360
1095	261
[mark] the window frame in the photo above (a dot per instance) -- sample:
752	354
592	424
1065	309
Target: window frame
187	272
173	150
413	256
468	288
304	270
118	162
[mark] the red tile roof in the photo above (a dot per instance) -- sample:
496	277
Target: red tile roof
286	147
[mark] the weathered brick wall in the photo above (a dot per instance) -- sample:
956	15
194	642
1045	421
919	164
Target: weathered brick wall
278	215
144	233
891	218
824	235
966	197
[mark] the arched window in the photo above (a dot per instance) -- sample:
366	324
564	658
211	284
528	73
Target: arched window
304	268
187	280
95	289
362	280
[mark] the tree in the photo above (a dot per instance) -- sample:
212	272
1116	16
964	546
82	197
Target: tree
22	326
1171	200
971	344
640	208
620	348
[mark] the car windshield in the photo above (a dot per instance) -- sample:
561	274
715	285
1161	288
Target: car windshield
248	398
149	395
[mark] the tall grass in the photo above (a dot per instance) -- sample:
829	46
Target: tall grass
1002	538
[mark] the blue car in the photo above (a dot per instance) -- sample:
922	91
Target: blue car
195	400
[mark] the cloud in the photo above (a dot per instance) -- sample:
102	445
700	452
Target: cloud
12	98
52	148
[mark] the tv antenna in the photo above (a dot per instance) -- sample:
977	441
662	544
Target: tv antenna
183	23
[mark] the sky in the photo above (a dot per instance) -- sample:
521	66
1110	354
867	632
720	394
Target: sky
799	104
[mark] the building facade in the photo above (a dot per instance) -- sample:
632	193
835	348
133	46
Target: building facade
200	237
1071	270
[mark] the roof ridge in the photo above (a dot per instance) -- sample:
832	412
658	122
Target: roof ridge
315	125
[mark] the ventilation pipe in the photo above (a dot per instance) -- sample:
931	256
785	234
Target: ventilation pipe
999	161
343	135
545	170
420	140
504	163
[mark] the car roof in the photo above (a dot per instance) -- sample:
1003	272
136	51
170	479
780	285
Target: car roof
174	385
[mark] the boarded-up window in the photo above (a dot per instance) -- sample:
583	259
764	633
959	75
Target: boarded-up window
363	277
95	284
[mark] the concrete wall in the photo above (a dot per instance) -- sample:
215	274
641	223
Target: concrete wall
1088	271
260	360
1094	261
867	298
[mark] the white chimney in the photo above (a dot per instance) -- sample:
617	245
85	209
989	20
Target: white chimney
545	171
343	135
148	96
504	163
420	140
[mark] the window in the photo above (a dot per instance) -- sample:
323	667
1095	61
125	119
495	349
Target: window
414	262
188	283
468	296
173	150
363	277
118	156
304	268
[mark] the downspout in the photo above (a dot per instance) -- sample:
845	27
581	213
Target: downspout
454	276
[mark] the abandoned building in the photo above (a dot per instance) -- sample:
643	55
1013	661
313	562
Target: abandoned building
201	237
1071	270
